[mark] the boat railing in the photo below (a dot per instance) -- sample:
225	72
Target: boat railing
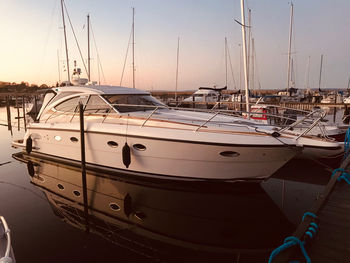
8	237
285	123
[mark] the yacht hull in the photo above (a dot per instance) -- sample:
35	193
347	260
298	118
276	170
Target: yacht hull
164	156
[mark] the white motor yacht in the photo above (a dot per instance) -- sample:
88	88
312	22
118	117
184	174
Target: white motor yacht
129	130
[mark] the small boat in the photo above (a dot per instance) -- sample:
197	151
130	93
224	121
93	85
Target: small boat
6	251
206	94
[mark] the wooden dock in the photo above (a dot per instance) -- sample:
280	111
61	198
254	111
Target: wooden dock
332	244
332	208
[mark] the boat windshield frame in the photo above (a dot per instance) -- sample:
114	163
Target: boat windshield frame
127	103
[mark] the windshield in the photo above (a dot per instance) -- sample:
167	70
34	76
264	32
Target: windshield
133	102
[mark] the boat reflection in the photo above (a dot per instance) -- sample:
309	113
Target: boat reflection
154	219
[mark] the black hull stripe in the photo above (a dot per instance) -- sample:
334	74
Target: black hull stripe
174	140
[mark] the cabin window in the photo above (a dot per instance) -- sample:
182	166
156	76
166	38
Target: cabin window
97	105
62	95
71	105
133	102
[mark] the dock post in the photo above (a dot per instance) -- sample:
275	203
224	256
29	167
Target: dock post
9	125
83	164
24	114
18	119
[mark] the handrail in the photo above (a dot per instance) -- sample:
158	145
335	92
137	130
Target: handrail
149	116
233	113
8	236
212	117
301	120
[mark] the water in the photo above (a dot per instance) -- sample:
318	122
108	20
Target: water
148	222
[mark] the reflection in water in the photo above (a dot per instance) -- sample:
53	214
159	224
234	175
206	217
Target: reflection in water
222	221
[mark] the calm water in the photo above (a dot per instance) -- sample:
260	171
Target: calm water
137	221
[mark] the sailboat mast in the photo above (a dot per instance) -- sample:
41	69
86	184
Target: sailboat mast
58	66
226	60
308	73
245	58
65	41
133	47
177	67
88	35
252	84
249	45
319	79
290	45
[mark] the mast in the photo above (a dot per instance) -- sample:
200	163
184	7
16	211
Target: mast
88	36
252	84
249	43
65	41
177	67
58	66
133	47
308	73
245	58
290	45
319	79
226	60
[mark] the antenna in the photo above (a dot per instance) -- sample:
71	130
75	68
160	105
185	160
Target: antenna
65	41
88	35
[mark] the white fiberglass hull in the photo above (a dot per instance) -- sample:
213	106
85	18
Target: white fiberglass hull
165	156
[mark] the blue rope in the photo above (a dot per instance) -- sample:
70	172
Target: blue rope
347	143
308	214
289	242
344	176
292	241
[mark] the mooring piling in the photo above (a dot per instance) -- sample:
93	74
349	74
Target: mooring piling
83	164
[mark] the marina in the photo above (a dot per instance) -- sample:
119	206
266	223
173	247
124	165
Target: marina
218	152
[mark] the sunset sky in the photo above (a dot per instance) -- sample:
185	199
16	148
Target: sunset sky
32	36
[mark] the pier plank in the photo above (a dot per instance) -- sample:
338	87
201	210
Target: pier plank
332	244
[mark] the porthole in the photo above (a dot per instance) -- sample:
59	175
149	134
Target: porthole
58	138
74	139
76	193
139	147
140	215
112	144
114	207
61	187
229	154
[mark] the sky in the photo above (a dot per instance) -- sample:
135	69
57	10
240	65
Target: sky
32	43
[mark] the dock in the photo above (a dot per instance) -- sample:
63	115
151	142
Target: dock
331	216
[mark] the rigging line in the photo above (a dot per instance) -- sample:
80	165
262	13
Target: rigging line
126	57
229	58
75	37
99	64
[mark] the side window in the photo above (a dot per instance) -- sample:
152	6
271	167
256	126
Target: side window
70	105
96	105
